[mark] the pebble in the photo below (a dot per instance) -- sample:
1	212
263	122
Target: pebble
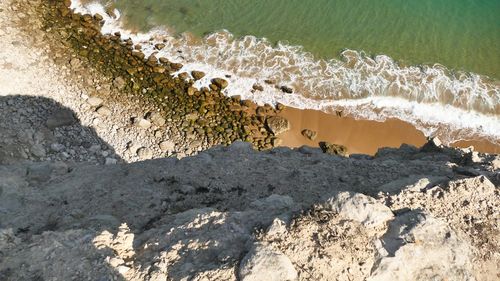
104	111
95	101
145	153
157	119
142	123
167	146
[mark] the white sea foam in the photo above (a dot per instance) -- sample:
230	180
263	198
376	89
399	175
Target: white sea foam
430	97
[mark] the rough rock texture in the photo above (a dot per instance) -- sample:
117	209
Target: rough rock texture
197	218
278	124
264	263
230	213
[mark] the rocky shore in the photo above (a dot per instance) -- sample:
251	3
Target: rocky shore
77	107
233	213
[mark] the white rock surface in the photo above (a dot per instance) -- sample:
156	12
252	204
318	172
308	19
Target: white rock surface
265	263
360	208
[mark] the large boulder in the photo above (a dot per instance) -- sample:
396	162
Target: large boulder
278	124
333	149
361	208
265	263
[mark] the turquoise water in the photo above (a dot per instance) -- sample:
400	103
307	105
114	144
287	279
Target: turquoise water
460	34
432	63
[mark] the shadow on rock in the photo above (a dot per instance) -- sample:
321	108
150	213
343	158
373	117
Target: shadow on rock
40	129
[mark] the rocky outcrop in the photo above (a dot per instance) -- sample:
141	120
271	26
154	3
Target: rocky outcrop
404	211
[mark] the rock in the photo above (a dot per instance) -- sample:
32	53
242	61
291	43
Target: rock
38	150
265	263
61	117
333	149
167	146
361	208
280	107
159	69
75	62
258	87
144	153
432	145
286	89
94	101
176	66
221	83
191	91
142	123
420	247
110	161
57	147
309	134
160	46
39	173
278	124
119	82
157	119
197	75
104	111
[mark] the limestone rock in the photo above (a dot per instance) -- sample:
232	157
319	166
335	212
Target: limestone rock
360	208
167	146
420	247
144	153
119	82
264	263
157	119
94	101
278	124
142	123
104	111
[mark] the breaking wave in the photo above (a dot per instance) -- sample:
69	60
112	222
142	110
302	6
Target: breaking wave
452	105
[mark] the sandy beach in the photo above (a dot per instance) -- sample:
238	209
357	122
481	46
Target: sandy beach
360	136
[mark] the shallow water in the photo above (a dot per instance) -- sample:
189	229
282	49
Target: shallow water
460	34
406	82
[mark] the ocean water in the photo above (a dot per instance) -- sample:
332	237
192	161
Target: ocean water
434	63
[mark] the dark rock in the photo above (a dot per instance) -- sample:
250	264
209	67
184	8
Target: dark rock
62	117
286	89
432	145
333	149
310	134
221	83
160	46
197	75
258	87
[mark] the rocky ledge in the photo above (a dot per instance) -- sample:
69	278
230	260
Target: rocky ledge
233	213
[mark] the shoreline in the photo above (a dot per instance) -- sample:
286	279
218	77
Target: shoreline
206	117
361	136
434	119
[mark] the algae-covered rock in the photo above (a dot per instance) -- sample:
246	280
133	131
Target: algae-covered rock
333	149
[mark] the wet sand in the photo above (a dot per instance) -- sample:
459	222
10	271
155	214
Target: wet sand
359	136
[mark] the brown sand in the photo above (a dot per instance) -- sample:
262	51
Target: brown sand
359	136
